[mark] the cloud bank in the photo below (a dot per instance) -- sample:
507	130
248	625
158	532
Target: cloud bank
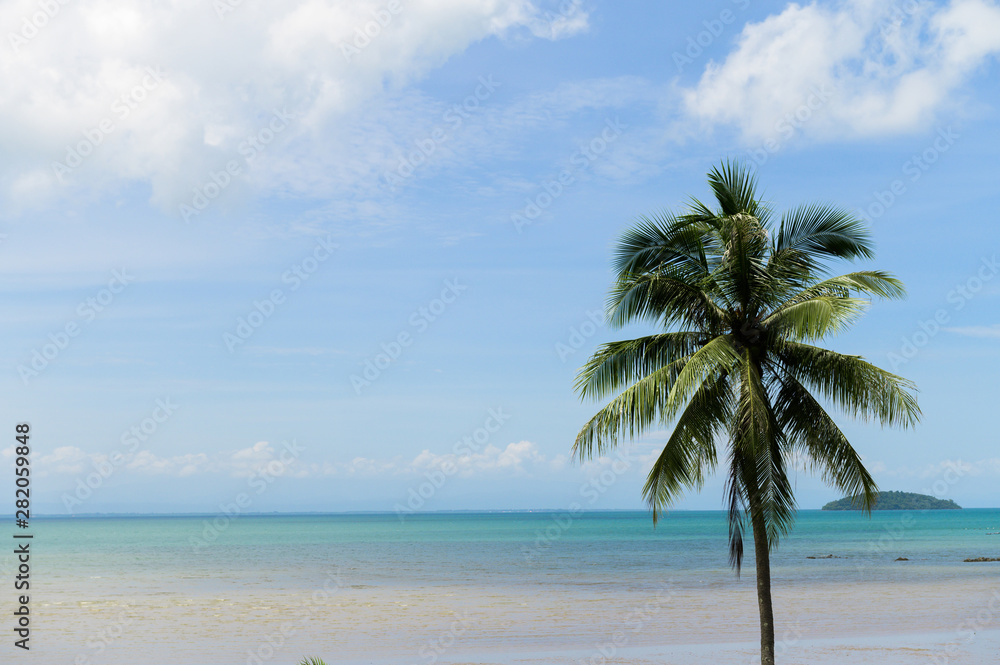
857	69
190	103
98	95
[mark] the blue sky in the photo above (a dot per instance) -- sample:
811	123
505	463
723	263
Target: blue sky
250	249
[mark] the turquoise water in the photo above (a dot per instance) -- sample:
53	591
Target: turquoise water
204	589
439	546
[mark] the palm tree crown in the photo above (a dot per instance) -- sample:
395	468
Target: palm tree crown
742	300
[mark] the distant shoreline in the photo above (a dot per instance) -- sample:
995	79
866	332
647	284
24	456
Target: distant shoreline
391	513
893	500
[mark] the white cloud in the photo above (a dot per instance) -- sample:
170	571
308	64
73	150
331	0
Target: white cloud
514	459
947	468
221	81
179	465
293	350
260	457
989	467
570	19
863	72
360	466
64	459
992	331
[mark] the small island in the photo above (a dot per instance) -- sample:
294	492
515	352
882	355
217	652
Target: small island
896	501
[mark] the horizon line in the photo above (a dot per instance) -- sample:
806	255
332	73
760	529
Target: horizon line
277	513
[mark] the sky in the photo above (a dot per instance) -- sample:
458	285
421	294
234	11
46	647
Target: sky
322	255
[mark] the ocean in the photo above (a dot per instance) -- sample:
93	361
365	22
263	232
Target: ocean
540	587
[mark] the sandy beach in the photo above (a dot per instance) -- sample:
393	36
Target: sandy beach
905	621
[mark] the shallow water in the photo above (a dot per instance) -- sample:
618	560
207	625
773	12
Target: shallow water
503	587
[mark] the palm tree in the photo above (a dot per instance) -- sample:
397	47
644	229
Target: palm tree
740	303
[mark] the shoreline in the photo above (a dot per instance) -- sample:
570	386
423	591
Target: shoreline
887	622
471	512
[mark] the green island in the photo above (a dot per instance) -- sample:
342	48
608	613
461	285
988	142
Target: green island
896	501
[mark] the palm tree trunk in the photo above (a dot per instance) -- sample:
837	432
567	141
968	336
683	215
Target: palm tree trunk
762	555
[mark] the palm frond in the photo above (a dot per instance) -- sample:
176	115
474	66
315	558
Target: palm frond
815	318
662	300
659	396
690	451
859	388
714	359
813	232
659	243
875	283
628	414
615	365
811	430
735	189
757	440
736	509
830	306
